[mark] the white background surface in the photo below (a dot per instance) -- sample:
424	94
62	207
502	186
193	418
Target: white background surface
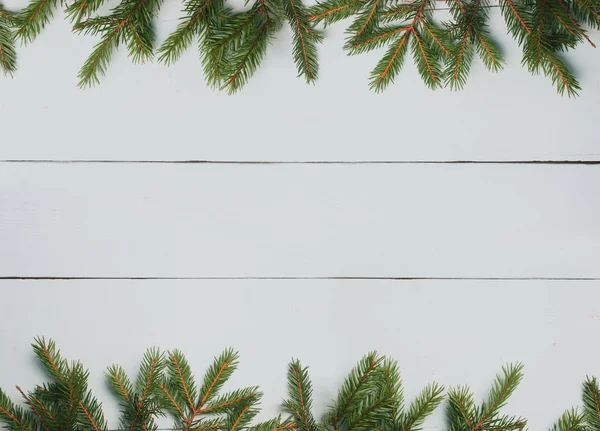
243	224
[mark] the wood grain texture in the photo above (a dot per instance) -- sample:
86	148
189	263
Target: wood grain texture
453	332
151	112
90	220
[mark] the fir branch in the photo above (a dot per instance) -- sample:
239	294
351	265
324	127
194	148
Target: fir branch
365	29
461	408
573	23
216	376
230	400
561	76
362	380
428	46
80	9
209	57
33	18
587	11
376	409
591	403
194	24
93	416
305	39
171	405
390	65
98	61
8	53
489	53
438	35
571	420
503	388
540	47
207	425
65	404
463	415
330	11
149	375
275	424
14	417
120	383
422	407
178	394
376	39
428	61
394	389
140	404
469	27
366	20
241	42
181	375
42	418
131	23
50	358
516	16
299	403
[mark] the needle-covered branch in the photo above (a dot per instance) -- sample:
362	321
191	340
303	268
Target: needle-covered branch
465	415
8	53
140	403
131	24
469	29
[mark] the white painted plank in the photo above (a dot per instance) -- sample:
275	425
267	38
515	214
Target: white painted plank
151	112
453	332
131	220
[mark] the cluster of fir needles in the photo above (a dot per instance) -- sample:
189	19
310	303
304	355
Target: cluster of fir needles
464	415
8	53
586	419
233	44
371	399
63	404
444	53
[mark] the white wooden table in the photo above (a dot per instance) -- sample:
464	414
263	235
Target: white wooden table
317	222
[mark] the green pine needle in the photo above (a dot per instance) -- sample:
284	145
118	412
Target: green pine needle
181	382
33	18
305	39
80	9
275	424
195	409
464	415
239	44
299	404
218	373
129	23
231	400
8	53
240	417
361	382
330	11
195	23
422	407
65	404
571	420
469	28
51	359
427	42
14	417
140	404
591	403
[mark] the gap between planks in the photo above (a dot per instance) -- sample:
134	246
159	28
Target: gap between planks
313	162
366	278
